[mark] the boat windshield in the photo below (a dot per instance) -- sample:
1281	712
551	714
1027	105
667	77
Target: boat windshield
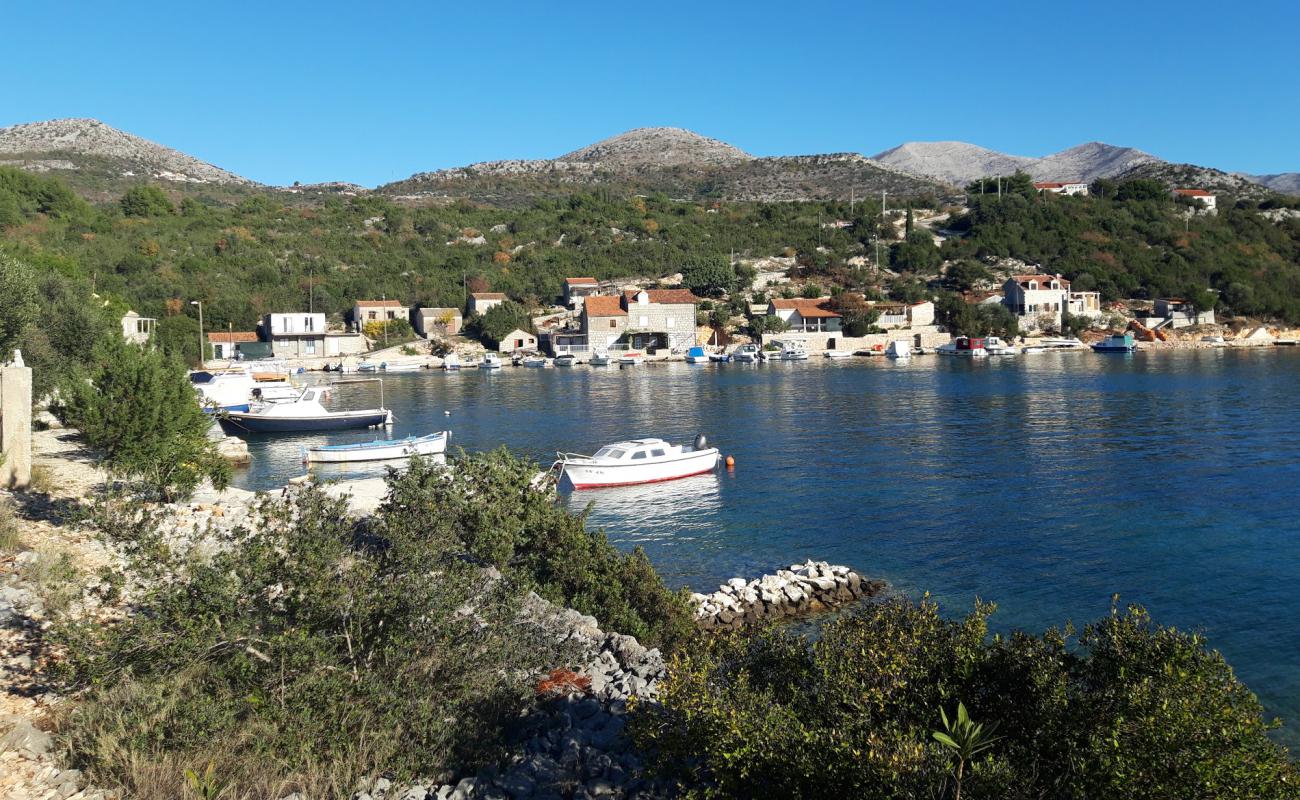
609	452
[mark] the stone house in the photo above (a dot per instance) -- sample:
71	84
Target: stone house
643	319
1035	297
229	344
517	340
367	311
904	315
441	321
480	302
577	289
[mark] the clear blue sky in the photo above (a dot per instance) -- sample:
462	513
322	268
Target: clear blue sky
282	91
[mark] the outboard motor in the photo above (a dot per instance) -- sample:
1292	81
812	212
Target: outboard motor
257	392
701	443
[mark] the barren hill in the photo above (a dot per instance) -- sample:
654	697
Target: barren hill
961	163
89	146
658	147
1191	176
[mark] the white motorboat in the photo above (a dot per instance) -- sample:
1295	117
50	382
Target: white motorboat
235	389
490	361
451	362
696	355
966	346
534	361
899	349
1033	350
565	360
400	366
635	461
367	366
631	359
601	360
719	358
304	414
378	450
1059	343
748	354
793	351
838	354
1214	341
996	347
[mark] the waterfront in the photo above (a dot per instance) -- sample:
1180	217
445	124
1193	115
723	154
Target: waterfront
1045	483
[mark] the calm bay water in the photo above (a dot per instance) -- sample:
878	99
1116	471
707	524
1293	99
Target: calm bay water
1046	483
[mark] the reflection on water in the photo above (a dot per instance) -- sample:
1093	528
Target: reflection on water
367	469
1046	483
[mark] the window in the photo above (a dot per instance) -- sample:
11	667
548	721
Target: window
645	322
613	323
372	315
311	347
657	453
609	452
308	324
640	454
668	322
392	315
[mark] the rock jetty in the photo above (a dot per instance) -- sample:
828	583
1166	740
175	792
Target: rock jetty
803	589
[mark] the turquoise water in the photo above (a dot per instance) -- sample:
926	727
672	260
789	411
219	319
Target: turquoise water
1046	483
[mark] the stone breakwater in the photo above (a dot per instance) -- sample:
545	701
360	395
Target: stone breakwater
803	589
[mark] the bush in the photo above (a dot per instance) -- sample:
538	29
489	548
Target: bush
299	658
146	201
137	405
709	276
1134	711
498	321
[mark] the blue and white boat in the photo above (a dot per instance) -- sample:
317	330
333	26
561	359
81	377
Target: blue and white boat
1116	343
378	450
696	355
306	414
236	389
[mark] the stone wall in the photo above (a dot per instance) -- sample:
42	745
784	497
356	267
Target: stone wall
16	426
803	589
930	335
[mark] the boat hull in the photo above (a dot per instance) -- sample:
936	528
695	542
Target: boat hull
1113	348
598	476
239	422
376	451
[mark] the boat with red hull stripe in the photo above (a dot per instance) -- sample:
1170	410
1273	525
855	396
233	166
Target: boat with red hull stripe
634	462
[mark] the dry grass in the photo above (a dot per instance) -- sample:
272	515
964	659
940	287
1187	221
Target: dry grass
10	541
43	481
55	577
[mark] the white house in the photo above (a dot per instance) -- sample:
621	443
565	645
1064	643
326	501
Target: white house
517	340
430	321
645	318
904	315
366	311
577	289
480	302
1033	297
1199	196
1056	187
136	328
226	344
806	315
296	334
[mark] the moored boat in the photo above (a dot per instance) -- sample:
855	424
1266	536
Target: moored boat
236	389
631	358
601	360
748	354
1116	343
696	355
565	360
490	361
378	450
966	346
400	366
304	414
635	461
897	348
838	354
451	362
1059	343
534	361
793	351
719	358
996	347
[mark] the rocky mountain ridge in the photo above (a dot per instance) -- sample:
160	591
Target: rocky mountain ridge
61	144
961	163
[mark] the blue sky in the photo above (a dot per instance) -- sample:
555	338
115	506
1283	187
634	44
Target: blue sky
284	91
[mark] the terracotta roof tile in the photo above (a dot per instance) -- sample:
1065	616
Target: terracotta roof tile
238	337
379	303
488	295
603	306
666	296
581	281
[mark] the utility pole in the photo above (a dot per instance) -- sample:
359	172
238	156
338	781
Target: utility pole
384	322
199	303
311	289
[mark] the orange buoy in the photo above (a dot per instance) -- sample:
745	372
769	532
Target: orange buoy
731	462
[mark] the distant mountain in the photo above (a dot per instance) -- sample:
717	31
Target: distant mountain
1191	176
90	153
672	160
1286	182
953	162
961	163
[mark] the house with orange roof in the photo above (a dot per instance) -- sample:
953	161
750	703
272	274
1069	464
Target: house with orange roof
1060	187
480	302
367	311
805	315
641	319
1199	196
1039	300
229	344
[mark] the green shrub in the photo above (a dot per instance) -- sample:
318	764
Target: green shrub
487	505
1133	711
138	406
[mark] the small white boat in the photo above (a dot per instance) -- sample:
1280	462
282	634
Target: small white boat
565	360
400	366
631	359
1033	350
966	346
304	414
696	355
748	354
793	351
719	358
490	361
899	349
1059	343
601	360
996	347
378	450
235	389
635	461
451	362
367	366
838	354
1214	341
534	361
